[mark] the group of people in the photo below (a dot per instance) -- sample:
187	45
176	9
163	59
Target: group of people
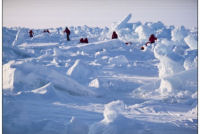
67	31
152	38
31	32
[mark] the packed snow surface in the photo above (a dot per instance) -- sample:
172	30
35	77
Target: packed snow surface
55	86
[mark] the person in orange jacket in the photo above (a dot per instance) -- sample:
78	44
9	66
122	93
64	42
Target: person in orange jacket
31	33
67	31
114	35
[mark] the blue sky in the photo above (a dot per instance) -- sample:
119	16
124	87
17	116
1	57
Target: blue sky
55	13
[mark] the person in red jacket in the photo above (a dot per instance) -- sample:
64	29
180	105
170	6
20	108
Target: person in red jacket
152	39
31	33
84	40
114	35
81	40
67	31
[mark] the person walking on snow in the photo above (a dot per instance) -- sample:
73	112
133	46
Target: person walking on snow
67	31
114	35
31	33
152	39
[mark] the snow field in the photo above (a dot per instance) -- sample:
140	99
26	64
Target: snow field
103	87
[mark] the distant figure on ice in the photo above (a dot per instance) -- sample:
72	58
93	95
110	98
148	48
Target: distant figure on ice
114	35
152	39
46	31
67	31
31	33
84	40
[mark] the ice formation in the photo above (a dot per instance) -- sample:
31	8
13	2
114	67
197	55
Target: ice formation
51	85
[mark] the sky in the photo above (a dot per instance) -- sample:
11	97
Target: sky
61	13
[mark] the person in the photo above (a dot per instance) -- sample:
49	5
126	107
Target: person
81	40
31	33
47	30
152	39
67	31
84	40
114	35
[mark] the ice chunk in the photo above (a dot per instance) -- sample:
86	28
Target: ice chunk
8	76
112	110
41	90
79	71
189	63
94	83
143	32
178	34
124	23
71	69
191	41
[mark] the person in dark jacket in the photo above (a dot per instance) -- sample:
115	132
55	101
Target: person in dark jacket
114	35
31	33
46	31
81	40
152	39
67	31
84	40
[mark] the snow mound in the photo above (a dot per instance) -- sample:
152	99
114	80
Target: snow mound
112	110
28	77
173	84
115	123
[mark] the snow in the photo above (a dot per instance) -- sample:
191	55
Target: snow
51	85
94	83
191	41
37	45
71	69
8	76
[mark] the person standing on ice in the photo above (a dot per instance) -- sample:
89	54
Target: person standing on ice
67	31
31	33
152	39
114	35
